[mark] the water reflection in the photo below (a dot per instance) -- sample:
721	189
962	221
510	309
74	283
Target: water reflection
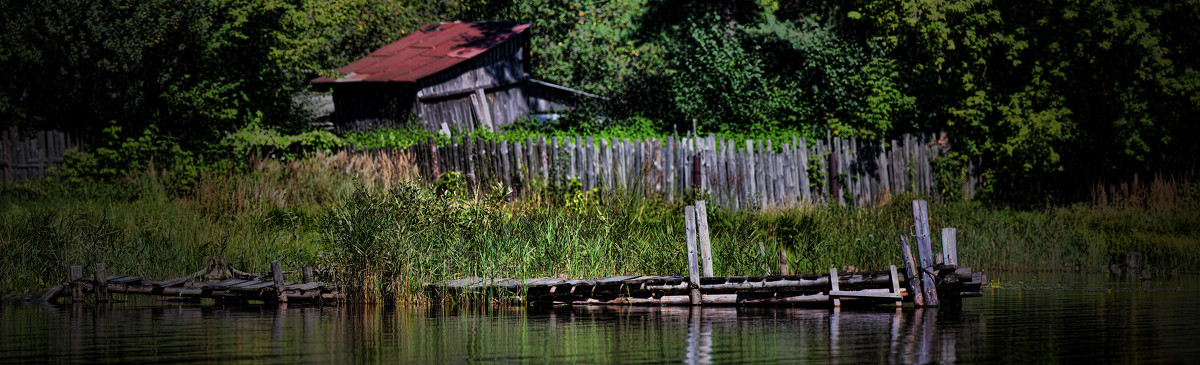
913	336
1109	321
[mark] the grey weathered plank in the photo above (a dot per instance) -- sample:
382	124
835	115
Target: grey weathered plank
305	286
914	277
925	251
125	280
865	294
706	263
950	246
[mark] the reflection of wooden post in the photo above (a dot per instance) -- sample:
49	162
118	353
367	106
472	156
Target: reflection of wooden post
277	276
689	218
706	263
101	281
925	251
914	277
76	288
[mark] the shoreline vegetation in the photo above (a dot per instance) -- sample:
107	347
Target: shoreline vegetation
376	227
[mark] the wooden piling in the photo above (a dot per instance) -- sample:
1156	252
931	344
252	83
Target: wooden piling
689	217
896	285
910	266
76	288
101	280
833	287
277	277
925	251
950	246
308	275
762	256
783	263
706	263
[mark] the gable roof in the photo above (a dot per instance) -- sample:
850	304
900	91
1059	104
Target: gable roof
431	49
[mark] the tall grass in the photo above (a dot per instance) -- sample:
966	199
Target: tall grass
368	222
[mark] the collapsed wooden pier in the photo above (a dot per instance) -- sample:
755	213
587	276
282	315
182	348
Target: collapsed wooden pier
231	285
932	281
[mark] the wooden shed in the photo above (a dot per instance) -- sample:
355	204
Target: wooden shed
464	75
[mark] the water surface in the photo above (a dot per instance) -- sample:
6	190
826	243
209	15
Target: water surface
1046	319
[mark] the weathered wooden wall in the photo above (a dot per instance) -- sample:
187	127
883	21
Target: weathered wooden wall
27	157
735	174
484	91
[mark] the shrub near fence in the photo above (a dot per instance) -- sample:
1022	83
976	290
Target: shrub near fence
734	174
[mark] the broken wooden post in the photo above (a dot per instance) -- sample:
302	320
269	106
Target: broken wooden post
896	286
76	287
706	264
277	276
689	218
925	251
101	281
950	246
914	277
783	263
833	287
308	275
762	256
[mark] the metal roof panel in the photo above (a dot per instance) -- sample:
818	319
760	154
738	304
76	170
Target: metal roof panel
427	51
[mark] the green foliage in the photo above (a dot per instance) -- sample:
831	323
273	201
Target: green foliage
118	155
269	143
392	137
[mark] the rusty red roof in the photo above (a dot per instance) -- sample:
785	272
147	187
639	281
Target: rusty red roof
429	50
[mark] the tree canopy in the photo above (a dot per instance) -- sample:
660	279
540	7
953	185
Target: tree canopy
1032	92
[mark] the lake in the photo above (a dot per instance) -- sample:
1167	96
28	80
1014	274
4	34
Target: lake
1051	318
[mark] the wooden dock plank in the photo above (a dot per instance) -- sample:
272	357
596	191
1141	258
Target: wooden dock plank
255	285
171	282
227	283
304	287
869	293
615	279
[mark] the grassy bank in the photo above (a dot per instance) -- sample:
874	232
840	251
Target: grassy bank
361	223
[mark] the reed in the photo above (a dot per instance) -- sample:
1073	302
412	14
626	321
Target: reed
371	223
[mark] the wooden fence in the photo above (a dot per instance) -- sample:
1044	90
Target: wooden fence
735	174
28	157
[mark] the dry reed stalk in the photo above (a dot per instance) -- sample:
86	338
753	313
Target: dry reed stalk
1161	194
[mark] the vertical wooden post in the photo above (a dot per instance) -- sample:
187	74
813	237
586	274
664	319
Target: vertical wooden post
101	281
433	160
706	263
473	179
277	276
925	251
783	263
669	148
762	255
896	285
589	159
76	288
805	190
750	175
950	246
573	171
543	160
913	273
689	219
833	285
308	275
505	165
